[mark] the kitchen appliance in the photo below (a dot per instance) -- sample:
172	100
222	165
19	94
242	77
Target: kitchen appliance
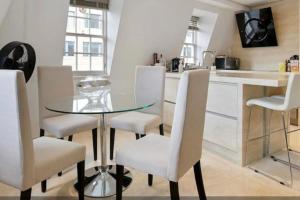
257	28
175	64
227	63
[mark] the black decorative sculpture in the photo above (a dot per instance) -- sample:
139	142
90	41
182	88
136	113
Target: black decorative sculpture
18	56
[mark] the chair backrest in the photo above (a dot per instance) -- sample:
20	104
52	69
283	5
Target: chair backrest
292	97
54	82
16	146
150	87
188	124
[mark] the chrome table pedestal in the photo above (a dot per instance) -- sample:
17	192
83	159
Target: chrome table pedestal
101	180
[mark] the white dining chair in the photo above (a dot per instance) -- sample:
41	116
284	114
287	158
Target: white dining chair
24	161
171	158
55	82
283	104
149	87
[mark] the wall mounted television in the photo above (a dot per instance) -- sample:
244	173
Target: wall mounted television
257	28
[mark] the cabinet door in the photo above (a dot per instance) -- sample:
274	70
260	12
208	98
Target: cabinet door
223	98
221	130
171	87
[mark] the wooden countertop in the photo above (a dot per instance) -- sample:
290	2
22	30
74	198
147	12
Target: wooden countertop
269	79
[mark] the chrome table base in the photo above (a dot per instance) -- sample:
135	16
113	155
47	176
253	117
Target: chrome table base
101	182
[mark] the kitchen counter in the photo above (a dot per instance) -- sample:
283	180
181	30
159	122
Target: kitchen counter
227	115
269	79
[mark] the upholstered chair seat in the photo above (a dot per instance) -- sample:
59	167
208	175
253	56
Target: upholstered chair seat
149	154
136	122
172	157
66	125
149	88
52	155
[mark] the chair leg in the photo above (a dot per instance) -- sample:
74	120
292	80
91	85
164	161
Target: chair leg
287	147
199	181
26	195
248	136
137	136
112	143
80	177
60	173
70	139
174	190
150	179
161	129
94	132
44	186
143	135
119	186
42	132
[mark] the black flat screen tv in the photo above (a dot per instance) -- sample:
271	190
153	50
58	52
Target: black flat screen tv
257	28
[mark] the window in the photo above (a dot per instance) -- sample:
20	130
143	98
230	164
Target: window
85	42
69	46
190	48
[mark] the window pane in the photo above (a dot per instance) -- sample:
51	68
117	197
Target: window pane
72	11
97	45
97	63
96	27
83	43
83	12
70	45
71	25
70	61
83	62
82	26
190	37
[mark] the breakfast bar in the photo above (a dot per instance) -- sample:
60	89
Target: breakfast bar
227	115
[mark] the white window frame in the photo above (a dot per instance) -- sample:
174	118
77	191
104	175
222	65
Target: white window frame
194	44
103	37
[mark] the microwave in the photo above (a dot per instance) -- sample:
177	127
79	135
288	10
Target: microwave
227	63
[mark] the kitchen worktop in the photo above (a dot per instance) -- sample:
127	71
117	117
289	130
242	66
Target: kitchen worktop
269	79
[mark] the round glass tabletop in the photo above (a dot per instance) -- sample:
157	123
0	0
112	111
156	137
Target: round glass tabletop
107	103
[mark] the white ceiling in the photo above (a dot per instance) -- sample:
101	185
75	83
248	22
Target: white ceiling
253	2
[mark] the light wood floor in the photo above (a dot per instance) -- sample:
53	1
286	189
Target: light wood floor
221	178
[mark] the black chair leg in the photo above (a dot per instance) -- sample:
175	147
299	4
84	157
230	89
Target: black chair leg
94	132
174	190
70	139
119	186
137	136
42	132
199	181
143	135
60	173
26	195
44	186
150	179
80	178
112	143
161	129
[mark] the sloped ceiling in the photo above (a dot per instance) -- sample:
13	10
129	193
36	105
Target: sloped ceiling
4	5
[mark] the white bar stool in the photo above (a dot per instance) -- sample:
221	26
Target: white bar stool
283	105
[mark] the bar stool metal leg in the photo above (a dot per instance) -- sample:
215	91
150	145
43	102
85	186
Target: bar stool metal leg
287	147
247	137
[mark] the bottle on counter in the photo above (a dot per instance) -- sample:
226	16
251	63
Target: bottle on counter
162	61
181	66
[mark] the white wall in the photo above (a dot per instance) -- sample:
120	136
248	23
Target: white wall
4	5
160	26
43	25
147	27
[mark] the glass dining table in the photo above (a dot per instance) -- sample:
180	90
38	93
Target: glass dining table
100	180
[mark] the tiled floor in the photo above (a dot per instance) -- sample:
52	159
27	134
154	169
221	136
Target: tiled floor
221	178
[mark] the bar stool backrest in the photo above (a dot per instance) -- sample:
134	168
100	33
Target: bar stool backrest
292	97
